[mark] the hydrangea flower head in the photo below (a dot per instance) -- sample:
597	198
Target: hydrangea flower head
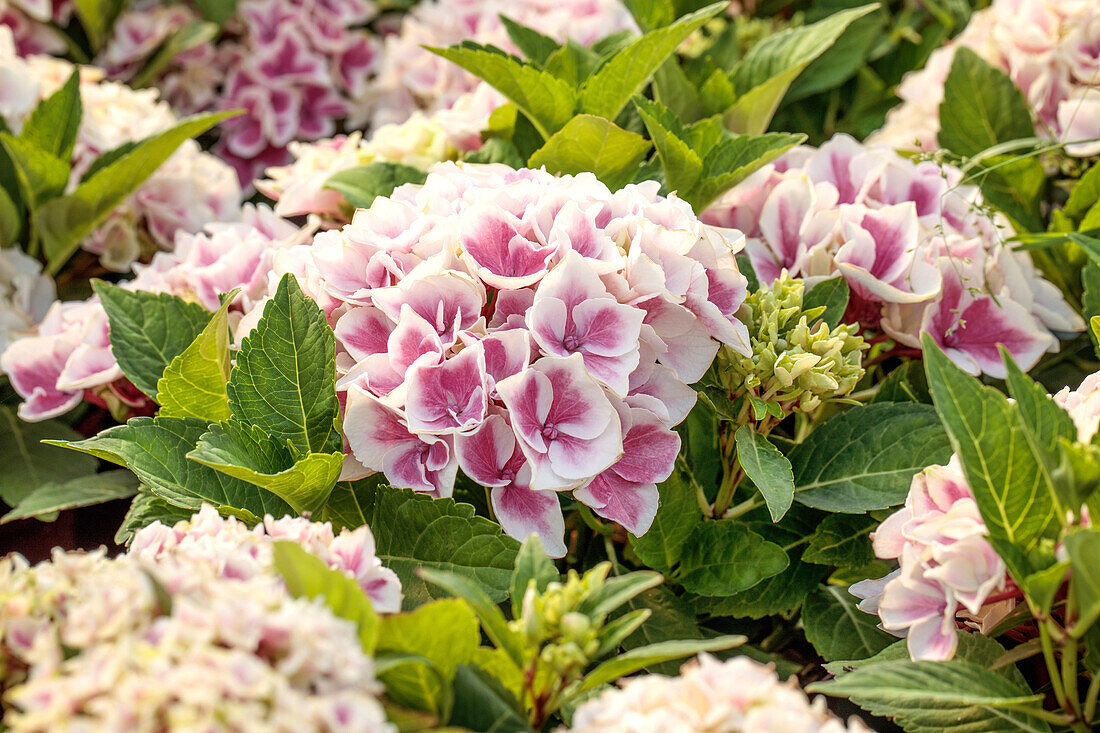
708	696
537	332
914	245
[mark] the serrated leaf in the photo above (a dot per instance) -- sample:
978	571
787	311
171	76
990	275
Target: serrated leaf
532	44
671	618
907	383
644	656
864	459
155	449
248	453
1008	484
362	184
842	540
833	294
724	557
29	463
982	107
616	591
284	379
66	221
606	92
1085	195
413	530
735	159
572	63
678	513
445	632
1083	547
839	630
682	165
56	496
308	576
768	469
53	124
546	100
588	143
11	220
145	509
937	696
193	383
148	330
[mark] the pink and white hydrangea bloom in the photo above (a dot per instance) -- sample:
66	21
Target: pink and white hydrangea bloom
411	78
296	68
527	329
26	294
1049	48
708	696
68	356
32	24
913	244
191	189
91	644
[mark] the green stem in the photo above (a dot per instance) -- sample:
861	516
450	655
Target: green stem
1047	715
1090	698
743	508
1069	675
1052	665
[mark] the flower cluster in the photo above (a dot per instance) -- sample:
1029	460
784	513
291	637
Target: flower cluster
917	250
189	632
797	361
419	142
538	332
708	696
551	622
296	68
68	357
25	295
1051	51
412	78
32	23
189	190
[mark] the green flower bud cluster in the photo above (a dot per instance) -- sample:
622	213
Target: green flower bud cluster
797	361
552	623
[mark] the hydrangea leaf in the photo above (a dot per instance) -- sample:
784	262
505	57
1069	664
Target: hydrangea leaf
156	449
644	656
532	564
532	44
607	91
414	530
97	18
248	453
588	143
284	379
842	540
145	509
724	557
41	175
53	124
148	330
839	630
308	576
982	107
864	459
57	496
362	184
833	294
193	384
1083	547
29	463
683	166
924	697
483	703
768	469
734	159
547	101
11	220
677	515
67	220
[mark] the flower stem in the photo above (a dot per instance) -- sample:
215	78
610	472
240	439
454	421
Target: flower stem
1052	665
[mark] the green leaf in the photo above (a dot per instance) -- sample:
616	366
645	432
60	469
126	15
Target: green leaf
145	509
194	33
1015	186
109	157
588	143
1085	195
724	557
65	221
572	63
217	11
839	630
483	704
606	92
308	576
768	469
532	567
546	100
651	14
248	453
413	530
681	163
843	59
736	158
865	458
671	618
156	448
842	540
53	124
927	697
532	44
56	496
677	515
644	656
148	330
97	18
907	383
616	591
193	383
982	107
11	220
833	294
490	615
1009	487
29	463
1083	547
41	176
362	184
497	150
284	379
763	76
